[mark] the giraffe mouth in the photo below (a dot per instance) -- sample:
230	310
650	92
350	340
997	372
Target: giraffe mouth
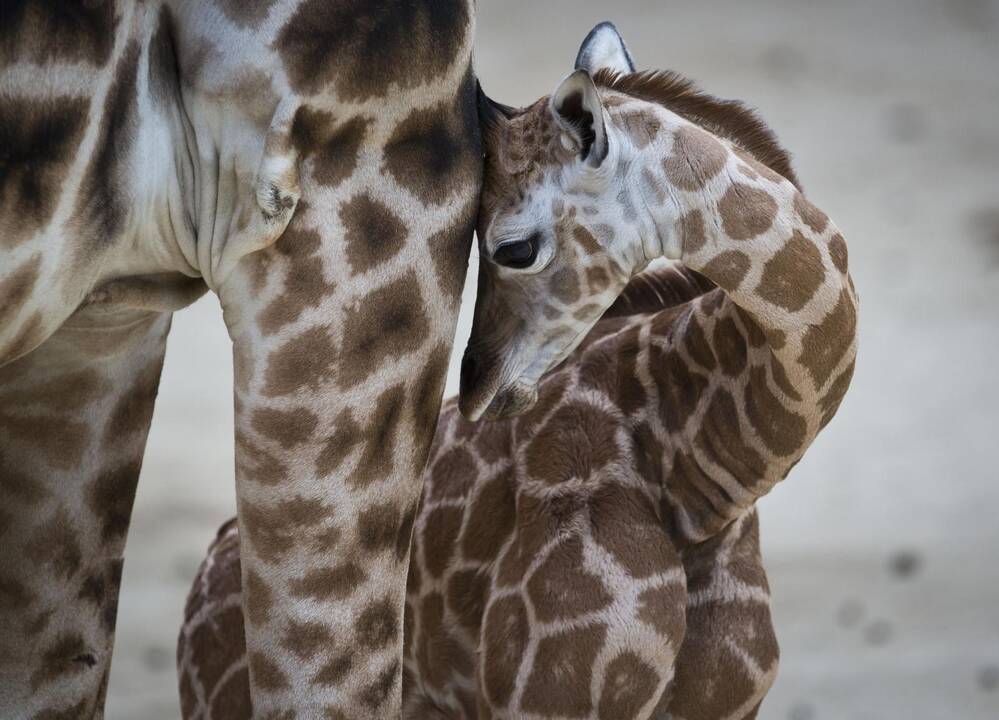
511	401
484	395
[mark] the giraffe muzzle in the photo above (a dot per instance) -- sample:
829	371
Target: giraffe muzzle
484	395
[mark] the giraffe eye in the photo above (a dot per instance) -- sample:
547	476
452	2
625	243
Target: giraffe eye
518	254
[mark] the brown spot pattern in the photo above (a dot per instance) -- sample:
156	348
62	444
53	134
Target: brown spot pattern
377	459
374	234
59	660
597	279
40	140
561	588
690	228
439	653
564	285
838	253
695	342
273	530
306	639
791	277
781	430
110	500
364	49
626	524
722	438
577	441
55	546
325	584
335	670
466	596
246	13
377	625
490	519
449	249
586	240
439	535
834	396
286	427
664	608
452	474
389	323
825	344
305	282
696	158
103	201
505	636
266	674
259	599
629	685
346	436
810	215
679	387
306	361
730	346
559	683
728	269
59	30
434	151
378	527
641	127
746	211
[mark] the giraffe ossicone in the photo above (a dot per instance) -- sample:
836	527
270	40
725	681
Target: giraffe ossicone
593	550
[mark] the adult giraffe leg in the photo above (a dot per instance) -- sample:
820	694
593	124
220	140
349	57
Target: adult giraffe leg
74	415
342	332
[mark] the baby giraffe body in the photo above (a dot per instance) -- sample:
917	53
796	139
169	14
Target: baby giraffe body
610	601
597	556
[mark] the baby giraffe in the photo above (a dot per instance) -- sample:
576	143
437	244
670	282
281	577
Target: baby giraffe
593	552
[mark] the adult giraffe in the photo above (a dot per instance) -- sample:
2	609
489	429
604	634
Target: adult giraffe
316	164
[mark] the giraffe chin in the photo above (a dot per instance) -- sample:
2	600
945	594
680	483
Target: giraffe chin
504	402
511	401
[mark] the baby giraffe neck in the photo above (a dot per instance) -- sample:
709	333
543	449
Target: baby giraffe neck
764	366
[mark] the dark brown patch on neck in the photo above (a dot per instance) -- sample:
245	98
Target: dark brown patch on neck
729	119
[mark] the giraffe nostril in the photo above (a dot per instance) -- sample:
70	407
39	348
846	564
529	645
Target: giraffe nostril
470	368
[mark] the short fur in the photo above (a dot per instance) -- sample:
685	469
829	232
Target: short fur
729	119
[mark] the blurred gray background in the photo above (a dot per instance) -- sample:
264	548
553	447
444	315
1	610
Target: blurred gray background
882	544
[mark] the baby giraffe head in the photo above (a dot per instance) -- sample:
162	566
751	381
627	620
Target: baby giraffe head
581	191
555	245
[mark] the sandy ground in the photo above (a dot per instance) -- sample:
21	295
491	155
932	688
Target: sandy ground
882	544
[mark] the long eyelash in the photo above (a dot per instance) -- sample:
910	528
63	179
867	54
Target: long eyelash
511	232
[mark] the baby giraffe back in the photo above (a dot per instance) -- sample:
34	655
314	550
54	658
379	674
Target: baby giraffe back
543	582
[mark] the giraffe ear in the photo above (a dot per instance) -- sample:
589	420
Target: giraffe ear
603	49
577	109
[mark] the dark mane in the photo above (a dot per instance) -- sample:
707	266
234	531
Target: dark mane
730	119
657	289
